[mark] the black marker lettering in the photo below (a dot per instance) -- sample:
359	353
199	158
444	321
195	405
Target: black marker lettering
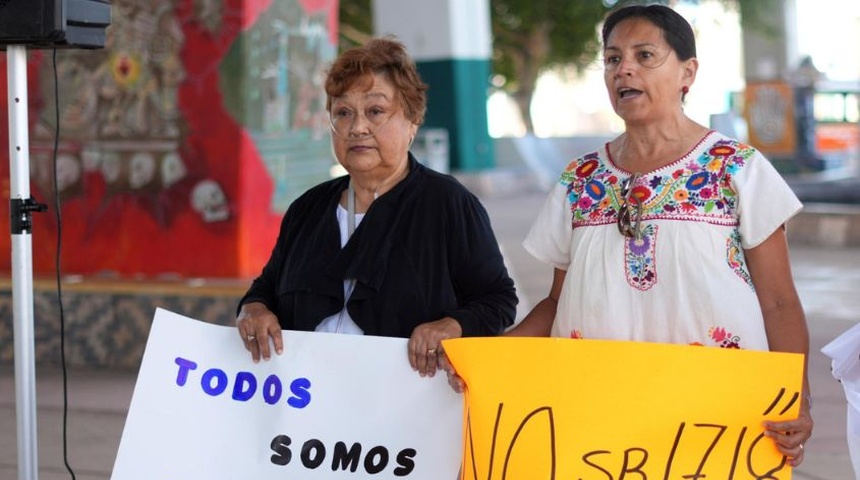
281	446
625	468
344	458
720	430
674	449
313	453
373	467
406	462
525	421
585	458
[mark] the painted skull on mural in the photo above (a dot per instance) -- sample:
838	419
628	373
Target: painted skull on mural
209	200
142	170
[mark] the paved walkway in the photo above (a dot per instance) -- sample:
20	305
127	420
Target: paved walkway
826	278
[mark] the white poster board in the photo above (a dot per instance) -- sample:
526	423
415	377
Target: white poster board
844	351
330	407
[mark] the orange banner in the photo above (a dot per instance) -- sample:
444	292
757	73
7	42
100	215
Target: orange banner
592	409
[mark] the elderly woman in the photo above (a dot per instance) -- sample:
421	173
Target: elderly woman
671	232
392	249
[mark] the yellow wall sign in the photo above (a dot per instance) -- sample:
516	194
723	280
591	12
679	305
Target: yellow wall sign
547	408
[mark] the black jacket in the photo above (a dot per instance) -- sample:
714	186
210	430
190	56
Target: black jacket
423	251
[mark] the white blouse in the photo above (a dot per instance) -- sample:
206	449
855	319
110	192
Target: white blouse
342	322
685	281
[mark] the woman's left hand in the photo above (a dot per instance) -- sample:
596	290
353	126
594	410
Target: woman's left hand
790	436
425	345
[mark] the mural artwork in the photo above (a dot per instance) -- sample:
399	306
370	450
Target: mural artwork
201	120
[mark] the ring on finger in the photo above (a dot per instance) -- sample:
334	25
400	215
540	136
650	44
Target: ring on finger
431	351
250	338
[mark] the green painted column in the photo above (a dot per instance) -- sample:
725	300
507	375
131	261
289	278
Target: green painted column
451	43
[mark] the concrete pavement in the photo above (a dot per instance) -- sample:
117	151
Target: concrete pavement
827	279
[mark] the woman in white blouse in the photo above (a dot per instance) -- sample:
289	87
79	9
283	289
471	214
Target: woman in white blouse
671	232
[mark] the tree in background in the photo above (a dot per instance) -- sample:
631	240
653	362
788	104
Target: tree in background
355	23
533	36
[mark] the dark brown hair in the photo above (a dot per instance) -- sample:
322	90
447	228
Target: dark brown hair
384	56
676	30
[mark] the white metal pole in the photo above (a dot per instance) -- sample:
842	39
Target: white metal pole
22	265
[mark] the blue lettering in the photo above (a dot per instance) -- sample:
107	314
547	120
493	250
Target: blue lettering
220	382
184	367
301	396
272	389
245	387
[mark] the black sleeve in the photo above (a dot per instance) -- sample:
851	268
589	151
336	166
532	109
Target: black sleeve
485	292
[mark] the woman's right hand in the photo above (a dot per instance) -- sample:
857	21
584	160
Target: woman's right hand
256	324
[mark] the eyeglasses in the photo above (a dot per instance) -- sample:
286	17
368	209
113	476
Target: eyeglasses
345	122
630	216
648	58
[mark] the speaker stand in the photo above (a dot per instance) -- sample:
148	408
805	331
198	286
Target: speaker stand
21	205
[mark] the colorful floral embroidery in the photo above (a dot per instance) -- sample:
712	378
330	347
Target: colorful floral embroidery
585	169
695	188
723	338
639	263
595	190
692	188
735	258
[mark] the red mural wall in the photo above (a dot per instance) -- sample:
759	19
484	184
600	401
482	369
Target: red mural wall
156	176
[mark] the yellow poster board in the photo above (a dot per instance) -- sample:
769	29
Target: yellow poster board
552	408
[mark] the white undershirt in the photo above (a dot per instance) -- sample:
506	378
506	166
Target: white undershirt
341	322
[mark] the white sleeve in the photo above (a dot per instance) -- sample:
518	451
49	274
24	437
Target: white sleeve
549	239
765	201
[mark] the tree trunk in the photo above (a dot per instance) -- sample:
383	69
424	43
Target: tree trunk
523	101
529	68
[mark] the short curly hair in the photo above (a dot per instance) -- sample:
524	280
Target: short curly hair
385	56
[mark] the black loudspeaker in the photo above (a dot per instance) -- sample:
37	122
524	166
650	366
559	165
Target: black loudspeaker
42	24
